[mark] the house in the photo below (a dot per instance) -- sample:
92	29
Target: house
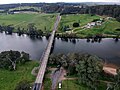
109	18
92	24
98	23
89	25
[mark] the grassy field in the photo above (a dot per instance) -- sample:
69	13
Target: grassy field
108	27
82	19
9	79
22	20
72	84
47	84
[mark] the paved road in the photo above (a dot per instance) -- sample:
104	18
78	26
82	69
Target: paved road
44	58
55	77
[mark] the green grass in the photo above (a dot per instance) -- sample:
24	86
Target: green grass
47	84
9	79
82	19
108	27
73	85
22	20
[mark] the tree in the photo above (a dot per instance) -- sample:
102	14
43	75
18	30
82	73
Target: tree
23	58
9	59
66	27
76	24
1	28
89	68
117	80
31	29
116	84
8	29
118	19
39	32
20	31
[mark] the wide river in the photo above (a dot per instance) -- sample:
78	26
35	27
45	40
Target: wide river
107	49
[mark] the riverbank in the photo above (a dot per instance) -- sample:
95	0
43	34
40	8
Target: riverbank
80	36
65	35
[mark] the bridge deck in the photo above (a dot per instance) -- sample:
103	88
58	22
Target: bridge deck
44	59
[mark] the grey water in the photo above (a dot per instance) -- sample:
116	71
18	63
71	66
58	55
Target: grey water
107	49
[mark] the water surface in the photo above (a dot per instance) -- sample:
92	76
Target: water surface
107	49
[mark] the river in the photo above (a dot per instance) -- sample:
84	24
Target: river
107	49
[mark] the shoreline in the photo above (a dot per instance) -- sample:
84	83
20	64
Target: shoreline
76	37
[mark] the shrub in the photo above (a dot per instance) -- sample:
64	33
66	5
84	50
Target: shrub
76	24
118	19
23	85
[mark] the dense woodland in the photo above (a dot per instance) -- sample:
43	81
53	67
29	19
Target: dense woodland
10	59
109	10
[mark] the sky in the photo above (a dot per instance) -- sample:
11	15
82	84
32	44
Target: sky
49	1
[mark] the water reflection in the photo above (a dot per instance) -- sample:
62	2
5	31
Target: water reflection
92	40
105	48
33	46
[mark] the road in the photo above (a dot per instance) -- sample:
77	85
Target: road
55	77
44	58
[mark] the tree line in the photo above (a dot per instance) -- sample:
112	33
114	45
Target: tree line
22	10
31	30
109	10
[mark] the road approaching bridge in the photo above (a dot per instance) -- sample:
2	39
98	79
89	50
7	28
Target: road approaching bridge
44	58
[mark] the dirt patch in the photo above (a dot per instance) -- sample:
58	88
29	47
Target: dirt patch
35	71
110	70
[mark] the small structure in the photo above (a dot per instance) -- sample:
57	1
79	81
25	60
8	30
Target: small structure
92	24
98	23
109	18
89	25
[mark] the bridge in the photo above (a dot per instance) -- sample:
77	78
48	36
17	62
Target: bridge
44	58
